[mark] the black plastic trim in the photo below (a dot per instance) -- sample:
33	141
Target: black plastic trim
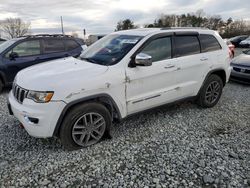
186	33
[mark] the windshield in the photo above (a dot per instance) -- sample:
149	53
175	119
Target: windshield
6	44
110	49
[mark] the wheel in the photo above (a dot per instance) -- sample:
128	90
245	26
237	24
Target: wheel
210	92
1	85
84	126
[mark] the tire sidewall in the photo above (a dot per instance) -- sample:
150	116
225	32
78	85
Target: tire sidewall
74	115
202	99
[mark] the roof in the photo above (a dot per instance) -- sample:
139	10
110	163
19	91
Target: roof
148	31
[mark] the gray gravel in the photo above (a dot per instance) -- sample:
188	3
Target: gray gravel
174	146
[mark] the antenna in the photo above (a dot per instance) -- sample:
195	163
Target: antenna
62	25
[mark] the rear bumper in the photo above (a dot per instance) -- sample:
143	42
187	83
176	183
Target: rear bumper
39	120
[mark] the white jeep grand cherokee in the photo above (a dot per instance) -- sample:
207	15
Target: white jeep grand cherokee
124	73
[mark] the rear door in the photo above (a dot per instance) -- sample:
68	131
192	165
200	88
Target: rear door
28	54
192	64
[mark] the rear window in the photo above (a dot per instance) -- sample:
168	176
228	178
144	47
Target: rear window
209	43
186	45
71	44
53	46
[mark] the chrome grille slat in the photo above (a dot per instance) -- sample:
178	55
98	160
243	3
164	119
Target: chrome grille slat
19	93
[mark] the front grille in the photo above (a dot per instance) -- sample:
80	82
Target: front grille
237	69
19	93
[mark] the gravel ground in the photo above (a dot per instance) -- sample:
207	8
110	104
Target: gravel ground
174	146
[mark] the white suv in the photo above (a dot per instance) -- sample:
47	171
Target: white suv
126	72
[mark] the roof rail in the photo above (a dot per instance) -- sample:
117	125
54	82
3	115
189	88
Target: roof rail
169	28
46	35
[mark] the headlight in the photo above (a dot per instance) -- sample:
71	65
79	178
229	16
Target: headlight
40	97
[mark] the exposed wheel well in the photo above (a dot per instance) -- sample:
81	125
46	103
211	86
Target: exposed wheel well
221	74
106	101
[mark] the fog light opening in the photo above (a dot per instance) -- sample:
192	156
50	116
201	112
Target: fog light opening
31	120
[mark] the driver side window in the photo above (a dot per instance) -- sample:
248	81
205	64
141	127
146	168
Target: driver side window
27	48
159	49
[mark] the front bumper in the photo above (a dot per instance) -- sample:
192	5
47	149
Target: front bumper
240	77
47	115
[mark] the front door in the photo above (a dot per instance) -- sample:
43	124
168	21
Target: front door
151	86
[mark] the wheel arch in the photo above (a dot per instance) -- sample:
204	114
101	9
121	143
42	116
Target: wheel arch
103	99
219	72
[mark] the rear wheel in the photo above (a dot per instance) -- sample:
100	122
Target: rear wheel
84	126
210	92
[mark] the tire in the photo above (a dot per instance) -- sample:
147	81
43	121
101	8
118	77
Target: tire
77	131
1	85
210	92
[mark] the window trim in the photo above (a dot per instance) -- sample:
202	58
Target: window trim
19	42
43	51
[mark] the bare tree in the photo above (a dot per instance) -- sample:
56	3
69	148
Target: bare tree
14	27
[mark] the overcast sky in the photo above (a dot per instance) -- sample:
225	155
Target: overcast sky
101	16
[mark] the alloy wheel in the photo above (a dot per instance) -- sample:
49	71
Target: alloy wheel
212	92
88	129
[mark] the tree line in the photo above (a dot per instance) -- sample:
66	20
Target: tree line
227	29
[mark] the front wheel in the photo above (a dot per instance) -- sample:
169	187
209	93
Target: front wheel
84	126
210	92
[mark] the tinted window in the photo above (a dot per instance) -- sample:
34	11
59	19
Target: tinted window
186	45
27	48
209	43
159	49
53	45
71	44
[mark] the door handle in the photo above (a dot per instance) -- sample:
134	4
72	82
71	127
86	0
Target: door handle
204	59
169	66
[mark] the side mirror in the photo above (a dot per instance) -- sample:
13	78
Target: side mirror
143	59
13	55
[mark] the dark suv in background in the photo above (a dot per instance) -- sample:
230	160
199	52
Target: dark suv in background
19	53
236	40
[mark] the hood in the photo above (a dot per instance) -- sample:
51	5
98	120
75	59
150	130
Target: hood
53	74
242	59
